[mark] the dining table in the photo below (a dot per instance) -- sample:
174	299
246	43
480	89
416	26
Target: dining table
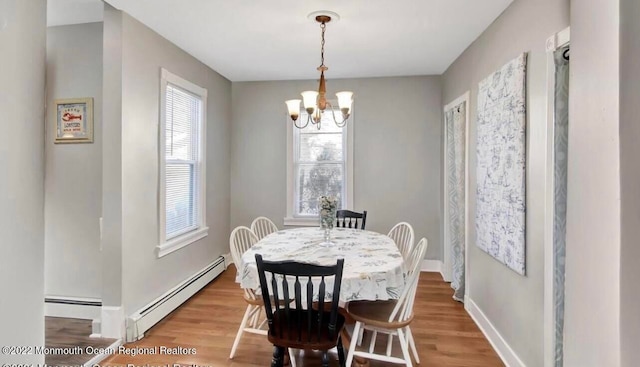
374	268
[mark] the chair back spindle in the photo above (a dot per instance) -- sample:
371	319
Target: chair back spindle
349	219
262	227
402	235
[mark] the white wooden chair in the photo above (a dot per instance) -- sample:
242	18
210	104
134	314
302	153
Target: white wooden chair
240	240
263	226
402	235
390	317
254	319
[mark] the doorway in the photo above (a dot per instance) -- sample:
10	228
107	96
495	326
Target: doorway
456	193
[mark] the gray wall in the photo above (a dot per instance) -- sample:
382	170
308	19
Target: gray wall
592	307
22	73
397	151
73	172
513	303
144	276
629	180
111	260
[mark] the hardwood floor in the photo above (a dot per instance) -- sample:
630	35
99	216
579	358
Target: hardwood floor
445	334
70	333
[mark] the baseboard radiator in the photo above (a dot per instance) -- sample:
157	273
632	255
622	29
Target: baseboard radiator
151	314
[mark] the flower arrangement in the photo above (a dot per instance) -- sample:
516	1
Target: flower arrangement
328	206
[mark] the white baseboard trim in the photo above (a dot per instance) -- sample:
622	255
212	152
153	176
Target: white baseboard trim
228	260
95	360
431	266
143	319
72	307
112	322
508	356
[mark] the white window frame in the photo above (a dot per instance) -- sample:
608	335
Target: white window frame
347	135
167	246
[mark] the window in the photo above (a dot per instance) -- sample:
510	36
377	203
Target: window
182	163
319	163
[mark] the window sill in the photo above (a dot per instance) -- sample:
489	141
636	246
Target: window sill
177	243
302	222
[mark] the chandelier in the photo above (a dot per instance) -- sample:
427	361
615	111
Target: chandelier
315	102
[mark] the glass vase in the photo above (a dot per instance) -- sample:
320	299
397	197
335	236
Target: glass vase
327	206
327	236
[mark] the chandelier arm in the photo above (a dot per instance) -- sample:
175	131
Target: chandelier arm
315	122
301	126
340	124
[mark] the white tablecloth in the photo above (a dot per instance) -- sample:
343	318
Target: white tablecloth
373	266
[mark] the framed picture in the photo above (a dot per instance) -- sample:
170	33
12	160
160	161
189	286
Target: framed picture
74	120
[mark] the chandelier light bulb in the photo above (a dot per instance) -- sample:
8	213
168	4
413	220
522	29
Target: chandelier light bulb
344	101
310	99
293	105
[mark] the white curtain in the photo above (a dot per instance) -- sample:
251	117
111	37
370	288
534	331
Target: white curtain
455	125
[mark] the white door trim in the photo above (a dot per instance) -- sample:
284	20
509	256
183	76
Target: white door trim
554	42
446	269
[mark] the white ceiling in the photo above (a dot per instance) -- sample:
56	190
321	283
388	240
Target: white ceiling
273	40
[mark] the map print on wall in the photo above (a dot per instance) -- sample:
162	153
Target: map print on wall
501	156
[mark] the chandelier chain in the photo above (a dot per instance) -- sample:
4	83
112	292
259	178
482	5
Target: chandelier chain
323	26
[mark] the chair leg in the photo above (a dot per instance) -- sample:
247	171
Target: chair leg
341	352
405	349
412	344
389	344
254	320
372	342
245	318
360	337
278	356
292	357
325	359
352	345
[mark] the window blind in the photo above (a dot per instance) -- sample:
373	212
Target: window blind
183	113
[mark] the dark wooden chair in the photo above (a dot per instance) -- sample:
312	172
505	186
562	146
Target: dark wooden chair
349	219
293	321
